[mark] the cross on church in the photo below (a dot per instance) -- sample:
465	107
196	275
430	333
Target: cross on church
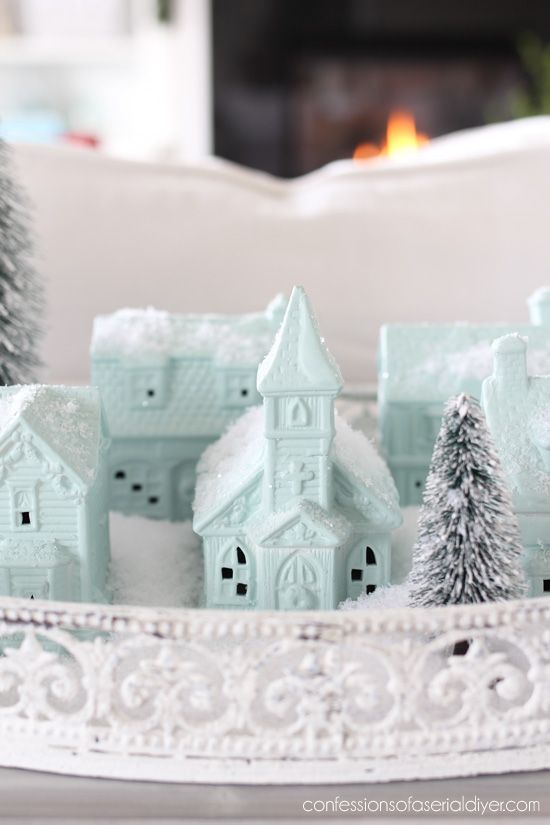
298	475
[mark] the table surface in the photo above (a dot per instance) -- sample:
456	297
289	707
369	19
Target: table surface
34	797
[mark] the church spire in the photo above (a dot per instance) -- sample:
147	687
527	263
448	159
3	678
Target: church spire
299	381
299	361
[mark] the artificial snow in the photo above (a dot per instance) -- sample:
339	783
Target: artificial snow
359	457
231	462
67	419
155	563
157	334
432	362
396	595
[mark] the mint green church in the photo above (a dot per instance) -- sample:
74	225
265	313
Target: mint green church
295	509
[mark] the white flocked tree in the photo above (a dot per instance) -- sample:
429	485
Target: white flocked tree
468	547
21	297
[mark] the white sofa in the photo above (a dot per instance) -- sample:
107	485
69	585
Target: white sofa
460	231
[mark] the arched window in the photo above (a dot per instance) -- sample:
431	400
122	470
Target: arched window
23	508
234	576
299	413
363	570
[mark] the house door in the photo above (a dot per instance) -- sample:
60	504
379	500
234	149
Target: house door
298	584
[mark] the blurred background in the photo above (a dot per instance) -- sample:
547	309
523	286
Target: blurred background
278	85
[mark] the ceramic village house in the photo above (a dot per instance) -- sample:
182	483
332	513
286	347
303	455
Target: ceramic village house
170	385
422	365
517	409
54	531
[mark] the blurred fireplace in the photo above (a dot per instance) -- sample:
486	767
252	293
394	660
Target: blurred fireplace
299	83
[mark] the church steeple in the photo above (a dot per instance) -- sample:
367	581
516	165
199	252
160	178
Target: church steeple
299	360
299	381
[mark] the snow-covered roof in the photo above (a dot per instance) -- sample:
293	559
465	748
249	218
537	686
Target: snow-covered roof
230	464
430	362
299	359
67	419
153	334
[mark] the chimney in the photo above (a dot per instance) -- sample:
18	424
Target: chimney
539	307
510	363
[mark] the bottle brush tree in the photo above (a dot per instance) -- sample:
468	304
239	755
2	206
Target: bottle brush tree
21	297
468	547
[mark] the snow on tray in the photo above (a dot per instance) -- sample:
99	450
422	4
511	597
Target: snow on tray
396	595
155	563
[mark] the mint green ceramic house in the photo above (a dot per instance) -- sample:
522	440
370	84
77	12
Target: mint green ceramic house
295	509
170	385
54	532
422	365
517	408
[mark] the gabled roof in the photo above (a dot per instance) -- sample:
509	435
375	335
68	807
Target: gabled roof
299	361
153	335
229	465
333	529
431	362
67	419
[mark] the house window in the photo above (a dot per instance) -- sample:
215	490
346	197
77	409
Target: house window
234	577
138	487
546	586
370	588
240	389
23	509
147	388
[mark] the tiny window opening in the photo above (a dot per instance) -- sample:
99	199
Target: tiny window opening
25	517
241	558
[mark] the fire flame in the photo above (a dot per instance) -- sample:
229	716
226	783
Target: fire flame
401	139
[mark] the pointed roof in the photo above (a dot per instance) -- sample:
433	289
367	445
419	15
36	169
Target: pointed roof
299	360
67	419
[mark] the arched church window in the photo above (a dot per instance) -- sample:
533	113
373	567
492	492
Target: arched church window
234	581
299	413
